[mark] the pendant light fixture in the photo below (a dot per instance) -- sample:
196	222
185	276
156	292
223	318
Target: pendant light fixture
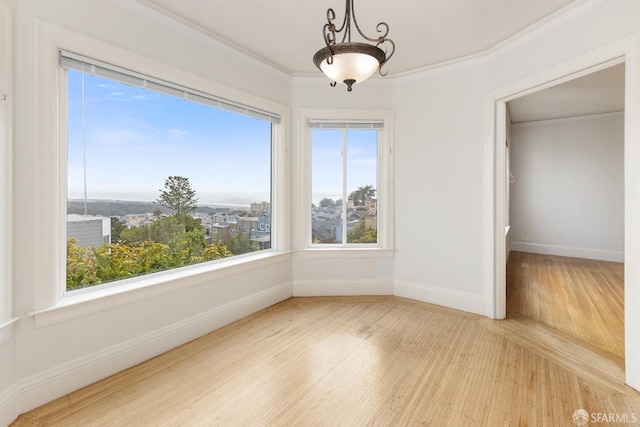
351	62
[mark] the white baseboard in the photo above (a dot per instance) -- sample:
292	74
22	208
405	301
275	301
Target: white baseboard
326	288
8	406
46	386
568	251
439	296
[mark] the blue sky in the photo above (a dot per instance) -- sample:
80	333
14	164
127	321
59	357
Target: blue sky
136	138
327	175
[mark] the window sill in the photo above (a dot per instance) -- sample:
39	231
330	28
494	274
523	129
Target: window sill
6	330
83	303
343	252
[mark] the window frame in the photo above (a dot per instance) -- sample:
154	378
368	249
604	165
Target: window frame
6	172
384	192
51	302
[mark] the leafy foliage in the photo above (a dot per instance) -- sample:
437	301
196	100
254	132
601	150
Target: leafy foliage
81	266
88	267
327	203
117	227
178	195
360	235
167	242
240	243
360	196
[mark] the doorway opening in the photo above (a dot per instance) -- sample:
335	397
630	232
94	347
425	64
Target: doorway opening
565	209
623	52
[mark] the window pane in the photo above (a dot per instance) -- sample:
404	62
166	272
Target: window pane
326	187
344	180
157	182
362	178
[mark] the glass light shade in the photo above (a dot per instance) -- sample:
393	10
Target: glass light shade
350	66
351	62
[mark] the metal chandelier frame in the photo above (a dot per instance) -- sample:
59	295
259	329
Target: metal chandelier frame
333	48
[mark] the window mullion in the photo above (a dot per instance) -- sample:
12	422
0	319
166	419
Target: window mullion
344	186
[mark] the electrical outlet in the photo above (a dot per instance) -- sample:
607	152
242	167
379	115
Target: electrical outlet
525	238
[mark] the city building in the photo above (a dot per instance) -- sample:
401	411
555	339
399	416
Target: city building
89	231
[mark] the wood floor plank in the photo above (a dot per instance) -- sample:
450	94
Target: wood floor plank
578	297
381	361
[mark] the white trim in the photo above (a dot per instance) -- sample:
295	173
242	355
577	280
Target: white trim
386	179
494	140
9	405
45	386
325	288
440	296
6	330
84	303
533	123
625	50
632	214
6	168
569	251
342	253
49	304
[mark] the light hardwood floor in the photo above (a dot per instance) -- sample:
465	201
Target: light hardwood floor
581	298
349	361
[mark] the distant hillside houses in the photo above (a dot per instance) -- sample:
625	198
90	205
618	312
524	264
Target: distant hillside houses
95	230
221	227
326	222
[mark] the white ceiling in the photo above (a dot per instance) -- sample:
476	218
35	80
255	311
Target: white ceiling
596	93
287	33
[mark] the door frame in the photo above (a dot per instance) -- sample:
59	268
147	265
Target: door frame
626	51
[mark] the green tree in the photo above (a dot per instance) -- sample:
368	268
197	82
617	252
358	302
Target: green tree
186	248
88	267
81	266
136	234
240	243
360	235
117	227
120	261
190	223
178	195
215	251
166	230
360	196
327	203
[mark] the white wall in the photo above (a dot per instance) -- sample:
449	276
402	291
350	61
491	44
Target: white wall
568	197
39	364
439	185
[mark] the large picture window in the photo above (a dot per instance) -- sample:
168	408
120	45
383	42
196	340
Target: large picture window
344	183
159	176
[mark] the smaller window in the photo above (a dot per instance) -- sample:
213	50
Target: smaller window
344	183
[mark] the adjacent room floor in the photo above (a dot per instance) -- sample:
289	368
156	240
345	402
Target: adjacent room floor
581	298
350	361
